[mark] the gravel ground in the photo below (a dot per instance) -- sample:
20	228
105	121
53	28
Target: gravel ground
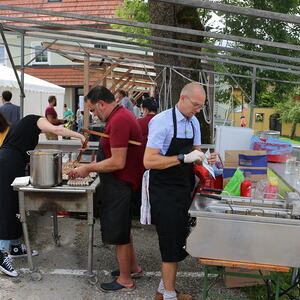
62	267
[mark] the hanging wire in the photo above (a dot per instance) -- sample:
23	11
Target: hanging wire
146	73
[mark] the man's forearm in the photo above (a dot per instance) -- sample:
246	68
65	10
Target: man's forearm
160	162
104	166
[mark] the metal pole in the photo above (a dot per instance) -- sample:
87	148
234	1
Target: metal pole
22	76
11	59
252	96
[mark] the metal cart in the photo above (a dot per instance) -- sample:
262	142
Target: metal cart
60	198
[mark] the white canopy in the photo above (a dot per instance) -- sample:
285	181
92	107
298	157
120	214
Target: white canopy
36	92
8	79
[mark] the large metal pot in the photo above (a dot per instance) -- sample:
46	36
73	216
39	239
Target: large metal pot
45	168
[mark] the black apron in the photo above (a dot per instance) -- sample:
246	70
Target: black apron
170	198
114	197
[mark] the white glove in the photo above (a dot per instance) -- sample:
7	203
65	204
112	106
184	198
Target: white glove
194	156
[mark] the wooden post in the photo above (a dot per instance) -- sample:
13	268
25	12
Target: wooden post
86	89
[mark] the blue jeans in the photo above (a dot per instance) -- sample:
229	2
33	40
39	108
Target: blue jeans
5	244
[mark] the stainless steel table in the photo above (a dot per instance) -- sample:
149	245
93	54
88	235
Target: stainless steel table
60	198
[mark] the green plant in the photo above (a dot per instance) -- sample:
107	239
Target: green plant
289	113
135	10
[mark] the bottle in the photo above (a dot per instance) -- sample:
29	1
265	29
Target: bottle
290	166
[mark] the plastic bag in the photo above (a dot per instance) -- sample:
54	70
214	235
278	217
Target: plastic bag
233	187
206	180
271	145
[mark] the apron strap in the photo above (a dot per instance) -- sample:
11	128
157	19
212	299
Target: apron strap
175	124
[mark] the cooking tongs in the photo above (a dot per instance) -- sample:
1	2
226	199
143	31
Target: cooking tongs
216	197
78	159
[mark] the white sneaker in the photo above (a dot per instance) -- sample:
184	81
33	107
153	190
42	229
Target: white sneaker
6	265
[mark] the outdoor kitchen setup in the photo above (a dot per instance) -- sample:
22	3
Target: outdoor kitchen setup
50	189
233	228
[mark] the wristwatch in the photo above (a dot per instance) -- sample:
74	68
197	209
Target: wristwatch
180	157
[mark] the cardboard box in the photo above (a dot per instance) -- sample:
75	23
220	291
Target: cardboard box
252	163
234	282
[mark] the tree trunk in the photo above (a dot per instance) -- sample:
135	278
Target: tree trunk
179	16
293	130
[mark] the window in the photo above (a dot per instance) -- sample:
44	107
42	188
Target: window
41	57
54	0
259	117
2	55
100	46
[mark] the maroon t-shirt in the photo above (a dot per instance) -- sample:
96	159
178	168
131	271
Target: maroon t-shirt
50	111
143	122
121	127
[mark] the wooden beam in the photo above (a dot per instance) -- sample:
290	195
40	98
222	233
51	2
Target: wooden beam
96	51
130	87
138	95
114	86
103	77
123	84
129	82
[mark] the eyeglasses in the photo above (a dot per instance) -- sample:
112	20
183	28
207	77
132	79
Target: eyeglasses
196	105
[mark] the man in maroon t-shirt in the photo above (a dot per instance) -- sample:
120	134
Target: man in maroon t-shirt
120	167
51	115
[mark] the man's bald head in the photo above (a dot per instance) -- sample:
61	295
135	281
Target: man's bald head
192	88
192	99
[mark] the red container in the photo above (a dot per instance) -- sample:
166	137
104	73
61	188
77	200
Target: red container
279	158
246	188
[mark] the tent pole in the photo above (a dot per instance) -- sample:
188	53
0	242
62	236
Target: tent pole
86	88
22	76
252	97
11	59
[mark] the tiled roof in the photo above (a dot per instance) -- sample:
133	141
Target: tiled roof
96	8
65	77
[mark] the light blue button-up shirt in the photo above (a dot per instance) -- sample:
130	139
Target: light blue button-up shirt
161	130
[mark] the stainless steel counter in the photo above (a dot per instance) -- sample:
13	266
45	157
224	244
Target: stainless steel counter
246	238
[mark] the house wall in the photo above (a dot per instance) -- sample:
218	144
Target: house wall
262	125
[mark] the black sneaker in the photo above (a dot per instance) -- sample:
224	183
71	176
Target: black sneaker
6	266
20	251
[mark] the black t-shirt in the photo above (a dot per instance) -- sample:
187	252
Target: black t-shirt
24	135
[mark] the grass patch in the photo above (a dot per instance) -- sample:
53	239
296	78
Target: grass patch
296	140
259	292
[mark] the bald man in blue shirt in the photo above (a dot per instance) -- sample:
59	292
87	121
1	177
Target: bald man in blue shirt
173	146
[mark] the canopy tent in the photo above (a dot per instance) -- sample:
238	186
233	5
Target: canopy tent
36	91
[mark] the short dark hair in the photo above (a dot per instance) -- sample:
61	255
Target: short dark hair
100	93
122	92
3	123
51	99
65	105
7	95
150	104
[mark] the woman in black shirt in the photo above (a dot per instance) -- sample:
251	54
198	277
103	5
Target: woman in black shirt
22	137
